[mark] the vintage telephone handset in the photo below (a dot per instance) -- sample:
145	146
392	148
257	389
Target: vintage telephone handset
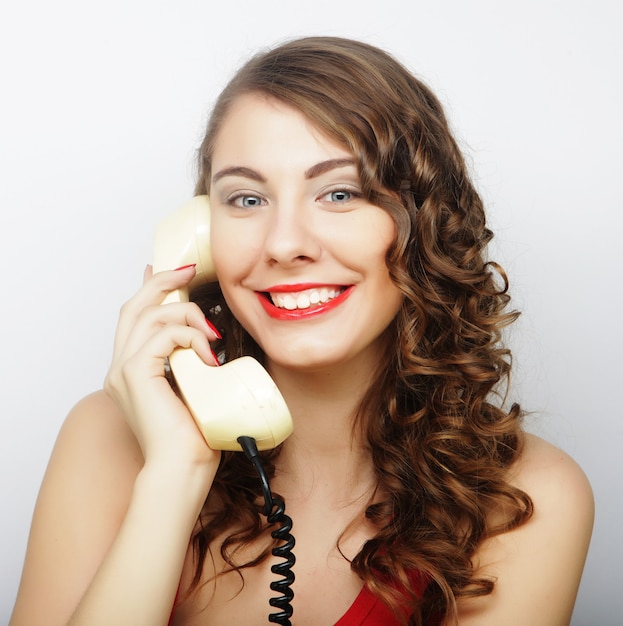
236	406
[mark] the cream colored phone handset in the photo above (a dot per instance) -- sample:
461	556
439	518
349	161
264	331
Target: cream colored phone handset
238	398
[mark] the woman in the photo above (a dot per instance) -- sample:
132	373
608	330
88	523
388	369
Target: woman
349	246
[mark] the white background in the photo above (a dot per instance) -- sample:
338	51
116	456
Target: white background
103	106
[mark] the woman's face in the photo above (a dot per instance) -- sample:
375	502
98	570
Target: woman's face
299	254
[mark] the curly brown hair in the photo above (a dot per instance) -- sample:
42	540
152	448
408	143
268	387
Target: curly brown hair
439	436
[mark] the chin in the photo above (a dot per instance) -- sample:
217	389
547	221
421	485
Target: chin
302	362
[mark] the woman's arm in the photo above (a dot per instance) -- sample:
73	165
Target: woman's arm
537	567
125	484
83	499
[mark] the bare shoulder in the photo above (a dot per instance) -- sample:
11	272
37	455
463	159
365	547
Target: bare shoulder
95	461
97	418
94	445
537	567
556	483
82	501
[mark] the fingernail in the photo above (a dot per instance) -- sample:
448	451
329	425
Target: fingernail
213	329
183	267
216	361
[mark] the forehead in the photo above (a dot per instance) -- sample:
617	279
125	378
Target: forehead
257	124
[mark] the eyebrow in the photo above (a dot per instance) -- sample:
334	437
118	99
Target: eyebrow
315	170
327	166
245	172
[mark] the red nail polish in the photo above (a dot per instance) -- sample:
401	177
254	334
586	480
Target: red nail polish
183	267
213	329
216	361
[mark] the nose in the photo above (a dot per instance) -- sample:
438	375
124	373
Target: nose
290	240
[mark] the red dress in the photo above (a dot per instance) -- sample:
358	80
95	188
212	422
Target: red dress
368	610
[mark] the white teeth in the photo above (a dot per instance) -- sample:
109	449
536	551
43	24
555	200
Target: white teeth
289	302
304	299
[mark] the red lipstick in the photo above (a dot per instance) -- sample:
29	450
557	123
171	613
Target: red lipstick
299	314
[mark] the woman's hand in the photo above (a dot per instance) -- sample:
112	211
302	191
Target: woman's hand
147	333
111	530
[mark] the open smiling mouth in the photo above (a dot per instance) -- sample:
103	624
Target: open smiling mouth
305	299
304	303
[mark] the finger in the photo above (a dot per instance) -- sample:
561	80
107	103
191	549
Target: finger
188	313
180	313
149	360
148	273
153	292
160	284
154	318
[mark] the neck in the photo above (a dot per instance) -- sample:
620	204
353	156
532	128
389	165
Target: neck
326	455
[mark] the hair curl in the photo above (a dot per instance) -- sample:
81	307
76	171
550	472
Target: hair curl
440	440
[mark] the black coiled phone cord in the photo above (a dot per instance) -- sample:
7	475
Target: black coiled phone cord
274	510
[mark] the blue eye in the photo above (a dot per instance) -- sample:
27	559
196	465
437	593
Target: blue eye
246	202
339	196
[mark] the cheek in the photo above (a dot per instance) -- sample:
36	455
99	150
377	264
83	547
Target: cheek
367	243
378	246
232	252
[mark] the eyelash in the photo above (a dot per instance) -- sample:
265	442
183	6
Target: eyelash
236	200
352	194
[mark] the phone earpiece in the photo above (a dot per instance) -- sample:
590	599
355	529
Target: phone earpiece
183	237
239	398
